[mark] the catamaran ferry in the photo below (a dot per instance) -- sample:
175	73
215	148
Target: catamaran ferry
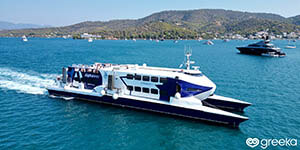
182	92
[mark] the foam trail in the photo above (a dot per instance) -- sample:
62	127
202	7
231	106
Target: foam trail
32	83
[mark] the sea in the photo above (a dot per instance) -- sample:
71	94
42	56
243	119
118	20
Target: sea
30	119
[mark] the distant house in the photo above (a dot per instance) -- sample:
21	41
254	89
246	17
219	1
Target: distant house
87	35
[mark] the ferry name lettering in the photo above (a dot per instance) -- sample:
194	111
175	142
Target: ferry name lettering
87	75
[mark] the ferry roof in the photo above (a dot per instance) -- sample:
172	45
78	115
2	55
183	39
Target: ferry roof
135	68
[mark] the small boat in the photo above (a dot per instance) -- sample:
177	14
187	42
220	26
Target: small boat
175	41
24	38
90	40
226	40
134	40
290	46
209	42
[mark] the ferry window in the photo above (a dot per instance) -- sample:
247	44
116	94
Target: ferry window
129	76
137	77
130	88
194	90
163	80
146	90
137	89
162	92
154	79
154	91
146	78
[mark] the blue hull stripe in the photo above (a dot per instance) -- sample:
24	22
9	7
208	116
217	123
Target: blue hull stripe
162	108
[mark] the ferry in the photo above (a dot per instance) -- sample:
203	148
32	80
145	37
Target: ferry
184	92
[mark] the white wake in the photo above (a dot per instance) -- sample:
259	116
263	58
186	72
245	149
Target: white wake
31	83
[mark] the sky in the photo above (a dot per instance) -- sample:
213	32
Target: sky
67	12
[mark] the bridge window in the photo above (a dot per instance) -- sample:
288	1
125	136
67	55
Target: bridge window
137	89
146	90
154	79
154	91
129	76
137	77
130	88
146	78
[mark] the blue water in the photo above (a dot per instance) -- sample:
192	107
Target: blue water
29	119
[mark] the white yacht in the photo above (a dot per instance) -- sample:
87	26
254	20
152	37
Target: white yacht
24	38
90	40
209	42
181	92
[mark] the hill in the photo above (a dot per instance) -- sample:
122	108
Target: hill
176	24
295	20
11	26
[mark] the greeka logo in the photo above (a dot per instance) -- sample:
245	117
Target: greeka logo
252	142
265	143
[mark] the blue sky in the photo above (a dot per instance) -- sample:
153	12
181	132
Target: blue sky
66	12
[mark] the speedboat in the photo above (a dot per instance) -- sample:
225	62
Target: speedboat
262	48
181	92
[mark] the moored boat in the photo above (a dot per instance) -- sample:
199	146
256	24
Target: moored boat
209	42
262	48
290	46
24	38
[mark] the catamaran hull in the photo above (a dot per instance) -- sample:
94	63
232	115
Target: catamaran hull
226	103
155	107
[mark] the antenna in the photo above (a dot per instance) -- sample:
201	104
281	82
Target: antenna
187	62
